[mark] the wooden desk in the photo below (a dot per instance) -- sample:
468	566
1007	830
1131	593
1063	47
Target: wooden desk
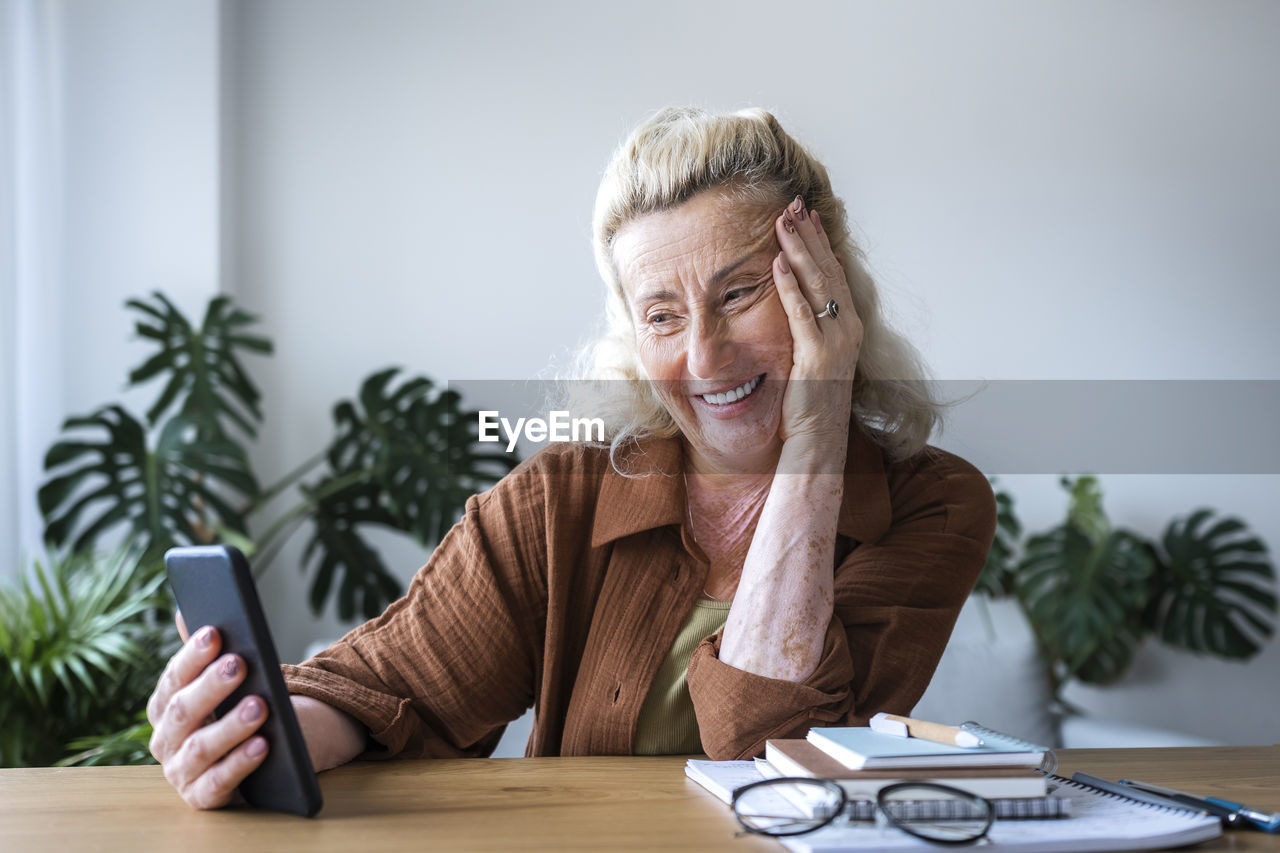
501	804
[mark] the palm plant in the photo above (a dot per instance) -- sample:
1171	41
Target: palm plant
81	645
1092	592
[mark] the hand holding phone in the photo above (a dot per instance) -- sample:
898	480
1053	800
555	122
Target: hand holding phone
205	760
243	689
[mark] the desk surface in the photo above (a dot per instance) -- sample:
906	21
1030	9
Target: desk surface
498	804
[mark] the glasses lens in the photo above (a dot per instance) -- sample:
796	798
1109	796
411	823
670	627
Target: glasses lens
787	806
937	813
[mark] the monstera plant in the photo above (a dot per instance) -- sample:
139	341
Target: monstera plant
405	457
81	645
1092	592
181	474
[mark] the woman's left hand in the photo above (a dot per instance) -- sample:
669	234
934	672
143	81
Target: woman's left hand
824	356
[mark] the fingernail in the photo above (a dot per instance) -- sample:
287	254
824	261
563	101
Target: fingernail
787	222
204	637
251	711
256	747
817	220
798	206
229	668
782	263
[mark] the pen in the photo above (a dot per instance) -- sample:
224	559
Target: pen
1133	792
1229	811
892	724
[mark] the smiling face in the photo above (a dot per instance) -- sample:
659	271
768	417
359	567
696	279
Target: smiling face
710	330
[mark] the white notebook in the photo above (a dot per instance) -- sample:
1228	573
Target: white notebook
862	748
1099	821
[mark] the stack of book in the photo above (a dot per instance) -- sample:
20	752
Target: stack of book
862	761
1004	770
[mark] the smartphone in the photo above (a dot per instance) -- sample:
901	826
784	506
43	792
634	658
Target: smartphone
213	586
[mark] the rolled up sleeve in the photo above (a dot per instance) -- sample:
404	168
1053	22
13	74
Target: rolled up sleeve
778	708
390	720
446	667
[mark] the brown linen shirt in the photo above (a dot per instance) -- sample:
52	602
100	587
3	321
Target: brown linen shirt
564	586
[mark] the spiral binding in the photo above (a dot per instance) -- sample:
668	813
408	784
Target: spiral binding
1131	800
1048	764
1034	808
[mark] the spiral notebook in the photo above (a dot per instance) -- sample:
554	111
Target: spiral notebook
1099	821
862	805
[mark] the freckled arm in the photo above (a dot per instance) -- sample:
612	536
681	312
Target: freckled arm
778	622
785	599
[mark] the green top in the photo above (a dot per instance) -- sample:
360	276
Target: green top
667	725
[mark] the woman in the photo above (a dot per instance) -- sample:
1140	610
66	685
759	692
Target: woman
765	545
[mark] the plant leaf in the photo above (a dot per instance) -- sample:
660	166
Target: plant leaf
1084	510
1214	587
1083	597
405	456
206	380
366	586
156	492
997	576
72	661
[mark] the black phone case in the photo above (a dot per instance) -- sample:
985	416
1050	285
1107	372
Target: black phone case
213	586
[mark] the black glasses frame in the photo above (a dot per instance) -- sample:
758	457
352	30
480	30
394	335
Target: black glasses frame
881	807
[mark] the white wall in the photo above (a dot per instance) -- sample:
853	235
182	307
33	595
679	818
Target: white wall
1051	190
141	175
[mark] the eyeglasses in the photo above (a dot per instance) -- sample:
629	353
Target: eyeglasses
936	813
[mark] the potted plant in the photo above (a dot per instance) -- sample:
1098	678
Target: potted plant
81	640
1092	592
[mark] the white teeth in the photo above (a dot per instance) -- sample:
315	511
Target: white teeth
734	395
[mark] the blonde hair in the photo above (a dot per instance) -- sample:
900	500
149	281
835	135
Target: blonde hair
683	151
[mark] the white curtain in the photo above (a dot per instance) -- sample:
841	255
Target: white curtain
8	287
110	187
30	142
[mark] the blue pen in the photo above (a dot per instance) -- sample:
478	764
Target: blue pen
1234	814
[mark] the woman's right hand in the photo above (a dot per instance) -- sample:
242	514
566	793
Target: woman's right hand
204	759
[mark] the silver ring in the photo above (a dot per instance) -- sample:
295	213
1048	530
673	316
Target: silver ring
832	310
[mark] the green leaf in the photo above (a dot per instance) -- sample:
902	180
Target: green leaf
77	666
205	378
129	745
1214	587
72	658
155	492
997	577
1083	587
366	586
405	456
1084	510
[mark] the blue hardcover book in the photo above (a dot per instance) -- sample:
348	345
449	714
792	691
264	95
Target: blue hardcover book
860	748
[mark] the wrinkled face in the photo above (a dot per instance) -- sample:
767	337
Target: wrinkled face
711	332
